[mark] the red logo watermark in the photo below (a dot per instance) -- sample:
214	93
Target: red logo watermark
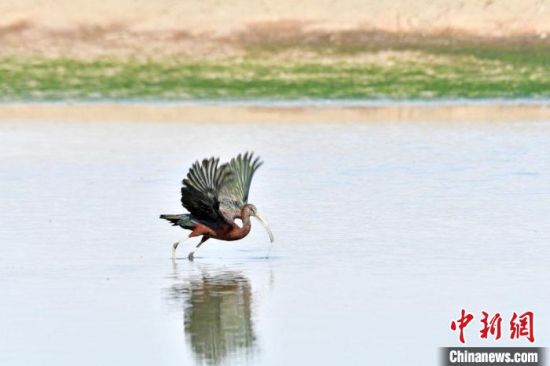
521	326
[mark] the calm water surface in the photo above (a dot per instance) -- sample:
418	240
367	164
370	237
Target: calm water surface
384	231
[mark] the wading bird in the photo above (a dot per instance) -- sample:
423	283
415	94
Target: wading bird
215	196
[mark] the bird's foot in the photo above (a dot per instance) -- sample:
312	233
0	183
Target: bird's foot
191	256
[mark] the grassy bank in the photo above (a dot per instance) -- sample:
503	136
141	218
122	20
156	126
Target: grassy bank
350	69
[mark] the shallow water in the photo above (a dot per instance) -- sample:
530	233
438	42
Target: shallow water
384	231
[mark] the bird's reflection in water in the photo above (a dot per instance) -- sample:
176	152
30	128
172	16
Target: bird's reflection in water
217	316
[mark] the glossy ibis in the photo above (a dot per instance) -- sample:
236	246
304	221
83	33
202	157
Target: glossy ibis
215	196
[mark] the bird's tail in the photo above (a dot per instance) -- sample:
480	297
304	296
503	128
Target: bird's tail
174	219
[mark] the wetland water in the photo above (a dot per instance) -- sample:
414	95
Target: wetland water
383	232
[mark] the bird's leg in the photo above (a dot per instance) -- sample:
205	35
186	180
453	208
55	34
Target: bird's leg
192	254
175	246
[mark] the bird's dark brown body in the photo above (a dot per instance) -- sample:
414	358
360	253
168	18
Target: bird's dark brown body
215	196
225	232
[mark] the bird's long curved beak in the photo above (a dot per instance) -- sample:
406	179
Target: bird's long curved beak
266	225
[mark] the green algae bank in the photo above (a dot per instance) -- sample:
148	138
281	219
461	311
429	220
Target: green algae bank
356	66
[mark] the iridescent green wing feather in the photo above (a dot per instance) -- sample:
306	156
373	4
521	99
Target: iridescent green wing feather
234	192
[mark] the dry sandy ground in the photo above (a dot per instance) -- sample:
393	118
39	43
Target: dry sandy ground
213	27
493	16
236	113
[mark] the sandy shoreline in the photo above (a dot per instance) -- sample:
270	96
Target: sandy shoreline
200	113
486	17
138	28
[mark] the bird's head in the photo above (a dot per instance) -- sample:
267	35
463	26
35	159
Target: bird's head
249	210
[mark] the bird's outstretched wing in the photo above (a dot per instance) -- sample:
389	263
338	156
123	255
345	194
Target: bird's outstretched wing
201	190
234	191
